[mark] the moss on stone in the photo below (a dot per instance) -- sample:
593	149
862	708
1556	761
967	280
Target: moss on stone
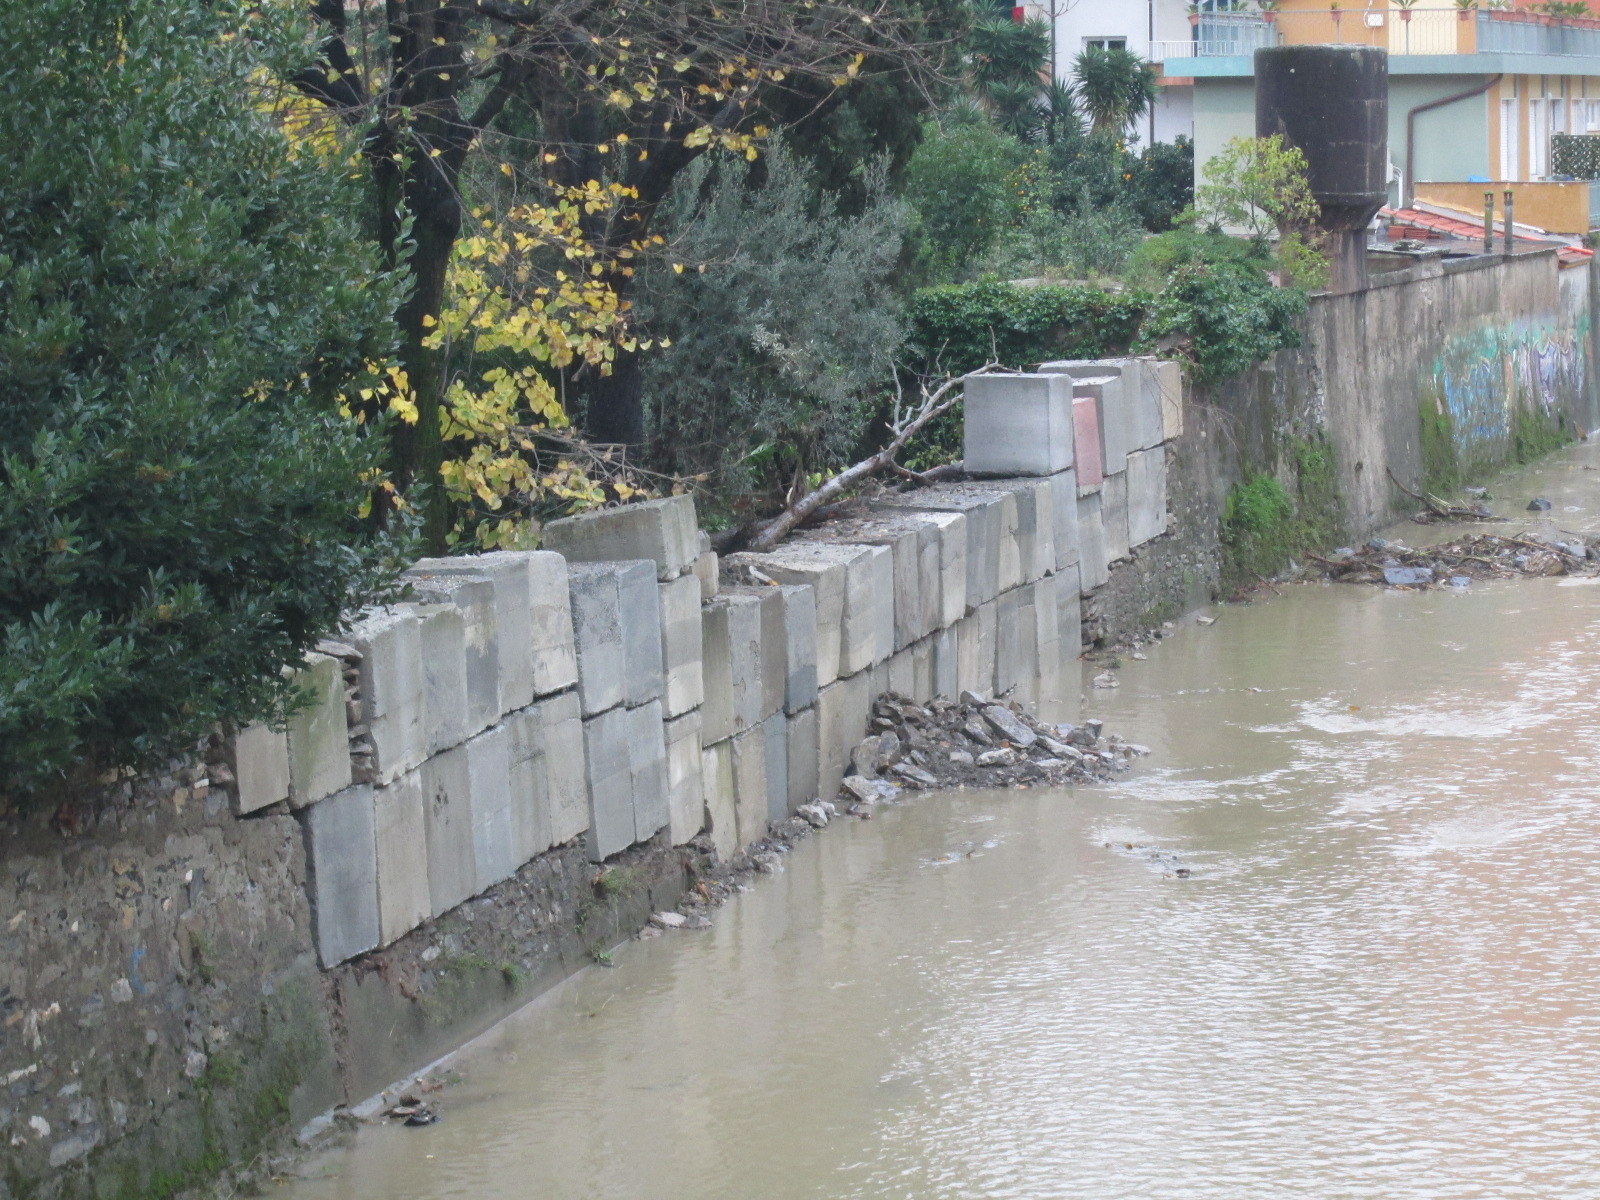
1441	462
1267	522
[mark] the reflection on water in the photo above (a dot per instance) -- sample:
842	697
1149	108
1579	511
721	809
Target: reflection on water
1379	979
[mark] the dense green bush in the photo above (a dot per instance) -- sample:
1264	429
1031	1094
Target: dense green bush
181	299
1225	317
963	193
959	327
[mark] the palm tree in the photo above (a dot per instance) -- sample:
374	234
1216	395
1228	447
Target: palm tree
1001	51
1114	88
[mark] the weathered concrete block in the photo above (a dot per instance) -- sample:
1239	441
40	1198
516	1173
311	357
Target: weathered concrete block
800	772
1144	394
842	710
442	634
976	650
990	519
597	629
1036	540
866	624
750	794
447	826
716	774
716	672
771	647
647	763
260	760
664	531
1069	608
800	646
799	564
1047	622
1166	380
342	874
390	642
686	794
913	541
1090	467
1113	384
1018	425
745	657
946	662
566	773
402	847
319	734
1014	644
1064	518
776	731
902	673
1147	495
610	771
922	670
644	677
681	645
707	571
530	785
1092	562
473	596
1114	516
494	840
510	575
949	603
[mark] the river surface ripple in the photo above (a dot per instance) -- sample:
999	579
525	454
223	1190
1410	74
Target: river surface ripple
1379	980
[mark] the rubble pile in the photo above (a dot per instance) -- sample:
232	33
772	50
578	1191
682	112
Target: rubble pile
1459	562
975	743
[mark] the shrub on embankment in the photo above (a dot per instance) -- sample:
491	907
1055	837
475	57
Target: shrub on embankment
182	300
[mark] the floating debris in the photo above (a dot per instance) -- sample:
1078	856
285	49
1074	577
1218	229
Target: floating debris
1457	563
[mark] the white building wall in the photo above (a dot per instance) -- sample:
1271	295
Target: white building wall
1079	22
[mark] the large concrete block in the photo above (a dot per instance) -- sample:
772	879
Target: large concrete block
949	604
1092	540
1069	609
551	642
1014	642
842	711
1144	396
530	785
442	634
922	670
610	770
946	659
799	564
566	773
494	832
473	596
1147	495
902	673
1113	384
647	764
1064	517
640	602
744	626
776	731
990	523
681	645
1114	516
750	791
260	759
1036	539
716	774
799	646
663	531
402	847
319	733
771	648
1166	380
686	793
913	541
1047	622
342	874
800	772
976	651
597	628
447	825
1018	424
510	574
390	642
716	671
1090	467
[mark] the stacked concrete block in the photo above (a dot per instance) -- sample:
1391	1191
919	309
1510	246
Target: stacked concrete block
511	580
950	603
1015	641
597	629
640	606
473	596
1047	624
772	651
944	663
775	731
1086	425
799	646
1036	543
402	854
1144	390
811	566
1147	495
1018	425
1114	516
975	663
260	759
319	733
1113	385
842	711
1163	381
716	669
716	774
494	841
442	636
565	770
342	874
902	673
663	531
1092	562
731	638
681	645
531	832
706	568
801	769
610	773
990	526
867	631
647	768
914	545
1069	624
390	643
751	796
922	671
550	636
447	826
686	795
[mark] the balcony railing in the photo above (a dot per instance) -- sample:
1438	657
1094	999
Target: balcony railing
1435	30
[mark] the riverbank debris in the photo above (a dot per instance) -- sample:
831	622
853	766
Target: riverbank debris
1457	563
1442	510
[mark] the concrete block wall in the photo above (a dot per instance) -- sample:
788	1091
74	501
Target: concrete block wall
625	685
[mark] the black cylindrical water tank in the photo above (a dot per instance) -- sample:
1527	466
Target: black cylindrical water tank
1333	103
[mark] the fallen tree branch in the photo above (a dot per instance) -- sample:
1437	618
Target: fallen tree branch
905	426
1445	512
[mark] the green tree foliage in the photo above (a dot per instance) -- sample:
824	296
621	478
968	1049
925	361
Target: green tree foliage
1259	185
182	302
958	328
1114	87
780	345
1225	316
961	189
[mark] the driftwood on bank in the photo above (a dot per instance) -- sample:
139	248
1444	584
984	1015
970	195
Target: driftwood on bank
1440	510
907	423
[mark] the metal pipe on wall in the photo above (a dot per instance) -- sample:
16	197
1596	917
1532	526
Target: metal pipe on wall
1409	183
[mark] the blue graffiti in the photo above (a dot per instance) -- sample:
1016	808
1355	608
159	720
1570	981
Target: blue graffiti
1484	377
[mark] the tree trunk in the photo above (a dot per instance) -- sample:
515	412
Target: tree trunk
615	403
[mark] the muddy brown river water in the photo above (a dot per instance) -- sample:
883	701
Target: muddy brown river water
1381	978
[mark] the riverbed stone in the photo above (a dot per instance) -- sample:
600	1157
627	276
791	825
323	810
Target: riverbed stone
610	775
402	857
716	773
442	634
750	794
1017	425
509	573
319	733
390	643
647	765
494	840
801	769
1147	495
975	670
342	874
686	796
1114	517
1092	565
683	688
259	756
447	828
597	629
664	531
473	595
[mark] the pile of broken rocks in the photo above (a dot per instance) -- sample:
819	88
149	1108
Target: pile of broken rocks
974	742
